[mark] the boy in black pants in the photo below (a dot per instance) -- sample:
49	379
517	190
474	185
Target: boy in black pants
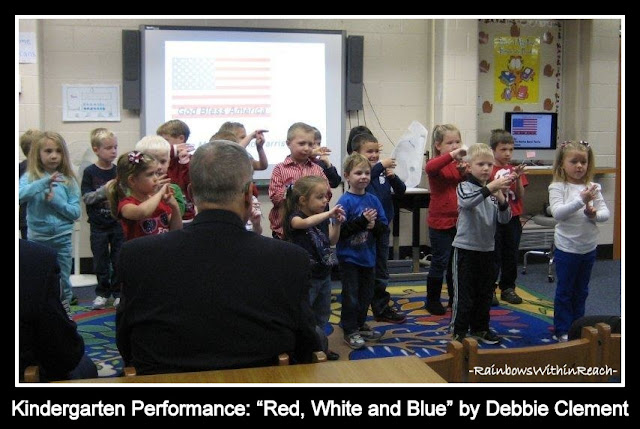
481	205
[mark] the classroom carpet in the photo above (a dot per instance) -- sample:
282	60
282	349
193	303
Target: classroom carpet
423	335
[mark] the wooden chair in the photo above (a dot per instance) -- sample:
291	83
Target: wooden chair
449	365
283	360
530	362
32	374
610	350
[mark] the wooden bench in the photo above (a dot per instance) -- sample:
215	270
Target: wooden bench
610	351
526	361
449	365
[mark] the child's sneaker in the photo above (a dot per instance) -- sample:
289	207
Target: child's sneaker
331	355
510	296
74	300
99	303
458	337
486	337
354	341
369	334
116	302
390	315
562	338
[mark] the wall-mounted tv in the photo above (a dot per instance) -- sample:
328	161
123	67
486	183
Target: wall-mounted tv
532	130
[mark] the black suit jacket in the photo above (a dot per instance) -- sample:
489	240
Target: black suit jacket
213	296
47	337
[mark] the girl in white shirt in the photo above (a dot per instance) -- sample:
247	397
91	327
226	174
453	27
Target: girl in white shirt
577	204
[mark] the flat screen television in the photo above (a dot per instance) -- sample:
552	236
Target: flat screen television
532	130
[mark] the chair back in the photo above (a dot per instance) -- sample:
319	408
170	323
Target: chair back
558	363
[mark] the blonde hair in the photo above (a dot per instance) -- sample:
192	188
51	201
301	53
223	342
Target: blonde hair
354	160
99	135
36	169
129	164
438	133
302	188
571	146
299	127
231	127
153	143
479	150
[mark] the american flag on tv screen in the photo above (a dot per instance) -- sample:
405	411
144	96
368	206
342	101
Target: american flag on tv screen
231	87
524	126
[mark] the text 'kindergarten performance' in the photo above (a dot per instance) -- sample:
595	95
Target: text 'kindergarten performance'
321	408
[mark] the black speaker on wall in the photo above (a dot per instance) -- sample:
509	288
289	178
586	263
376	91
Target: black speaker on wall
355	51
131	70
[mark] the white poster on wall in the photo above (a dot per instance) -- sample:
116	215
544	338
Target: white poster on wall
90	103
28	51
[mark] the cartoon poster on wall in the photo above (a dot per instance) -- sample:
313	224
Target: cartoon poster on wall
517	69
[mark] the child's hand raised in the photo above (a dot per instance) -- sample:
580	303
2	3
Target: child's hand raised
589	193
500	184
389	172
321	151
590	211
371	215
163	180
389	163
518	170
53	179
337	213
463	168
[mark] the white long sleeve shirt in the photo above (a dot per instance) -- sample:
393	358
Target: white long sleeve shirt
575	232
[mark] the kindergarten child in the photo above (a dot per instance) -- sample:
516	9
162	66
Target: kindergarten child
136	200
508	235
383	180
51	189
306	223
160	149
300	137
243	140
177	133
26	139
577	204
482	204
106	236
444	171
320	155
356	250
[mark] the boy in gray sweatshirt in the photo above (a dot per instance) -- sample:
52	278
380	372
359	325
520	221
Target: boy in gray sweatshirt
481	205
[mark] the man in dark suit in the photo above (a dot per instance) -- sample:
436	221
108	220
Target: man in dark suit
214	295
48	338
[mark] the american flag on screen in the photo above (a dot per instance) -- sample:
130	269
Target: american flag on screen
230	87
524	126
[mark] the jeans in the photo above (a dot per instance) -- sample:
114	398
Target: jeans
573	272
357	291
441	251
105	246
320	300
507	243
62	244
381	297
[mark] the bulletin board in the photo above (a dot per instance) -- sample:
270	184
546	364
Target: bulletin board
90	103
519	69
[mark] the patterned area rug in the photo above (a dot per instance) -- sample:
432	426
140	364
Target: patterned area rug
424	335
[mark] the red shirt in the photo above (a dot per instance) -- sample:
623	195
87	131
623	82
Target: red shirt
443	177
157	223
514	202
179	174
285	173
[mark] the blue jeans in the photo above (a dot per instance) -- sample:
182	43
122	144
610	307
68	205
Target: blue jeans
441	251
63	246
320	299
381	297
573	272
357	291
105	246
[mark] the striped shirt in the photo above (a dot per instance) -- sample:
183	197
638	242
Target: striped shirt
285	173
